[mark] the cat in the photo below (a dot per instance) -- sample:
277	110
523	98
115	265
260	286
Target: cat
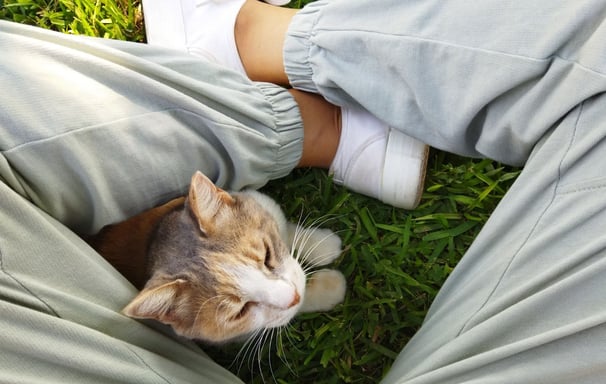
219	266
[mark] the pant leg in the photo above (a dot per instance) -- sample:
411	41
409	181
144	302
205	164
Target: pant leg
518	82
93	130
60	304
481	79
527	303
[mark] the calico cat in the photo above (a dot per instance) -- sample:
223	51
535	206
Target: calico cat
218	266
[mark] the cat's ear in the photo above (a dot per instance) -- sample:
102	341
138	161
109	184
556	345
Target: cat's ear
206	201
158	302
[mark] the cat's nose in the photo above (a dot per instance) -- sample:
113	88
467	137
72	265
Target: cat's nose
295	300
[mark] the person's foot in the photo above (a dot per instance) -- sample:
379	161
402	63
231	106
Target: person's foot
372	158
378	161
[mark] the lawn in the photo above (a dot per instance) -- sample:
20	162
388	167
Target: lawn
394	260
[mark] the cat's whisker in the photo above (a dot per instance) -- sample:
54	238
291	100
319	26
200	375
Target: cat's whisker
252	352
303	219
318	262
321	259
299	239
259	352
271	341
303	236
245	348
276	334
280	345
285	329
257	355
321	221
304	232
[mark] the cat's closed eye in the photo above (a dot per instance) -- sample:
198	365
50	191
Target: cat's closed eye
245	310
268	262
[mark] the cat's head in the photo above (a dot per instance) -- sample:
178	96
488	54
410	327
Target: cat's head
220	268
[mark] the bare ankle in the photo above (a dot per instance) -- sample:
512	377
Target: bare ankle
259	31
322	129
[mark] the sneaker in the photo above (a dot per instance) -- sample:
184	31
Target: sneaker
203	28
378	161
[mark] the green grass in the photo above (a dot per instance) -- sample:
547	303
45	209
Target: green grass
117	19
395	261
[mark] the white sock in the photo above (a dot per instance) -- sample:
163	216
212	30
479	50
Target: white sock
209	28
360	155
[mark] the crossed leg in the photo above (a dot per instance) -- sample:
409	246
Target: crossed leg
526	303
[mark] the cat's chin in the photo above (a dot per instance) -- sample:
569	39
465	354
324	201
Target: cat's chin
283	316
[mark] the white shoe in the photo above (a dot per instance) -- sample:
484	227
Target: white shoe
378	161
203	28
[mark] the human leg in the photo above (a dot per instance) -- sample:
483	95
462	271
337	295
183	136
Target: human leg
479	80
349	154
98	130
527	302
426	70
247	36
319	119
523	95
61	320
92	132
525	305
263	61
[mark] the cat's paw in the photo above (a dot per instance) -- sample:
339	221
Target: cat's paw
324	290
324	247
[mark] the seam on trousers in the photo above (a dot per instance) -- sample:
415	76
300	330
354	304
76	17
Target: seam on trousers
14	182
532	230
142	361
572	140
49	308
567	191
233	124
548	58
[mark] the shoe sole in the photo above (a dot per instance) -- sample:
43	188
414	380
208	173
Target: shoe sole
405	165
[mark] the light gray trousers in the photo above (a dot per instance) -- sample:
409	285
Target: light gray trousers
91	131
517	81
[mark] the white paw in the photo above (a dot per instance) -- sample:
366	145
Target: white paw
324	247
324	290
